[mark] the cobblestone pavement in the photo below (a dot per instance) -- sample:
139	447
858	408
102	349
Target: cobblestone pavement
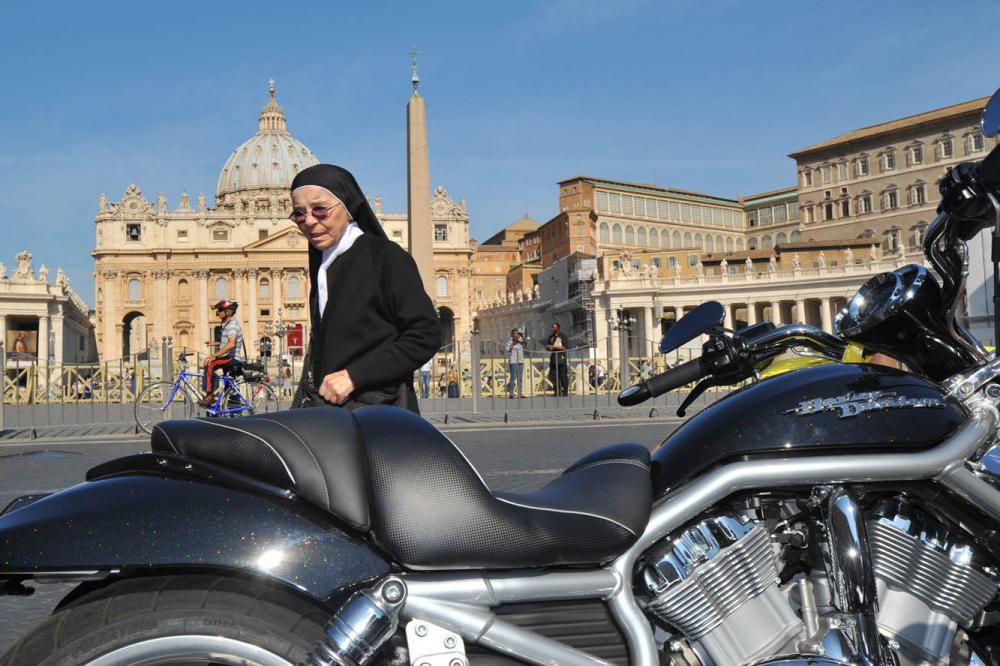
509	458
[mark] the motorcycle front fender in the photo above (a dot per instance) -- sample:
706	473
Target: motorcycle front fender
138	522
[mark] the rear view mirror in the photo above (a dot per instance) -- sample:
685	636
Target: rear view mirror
989	122
702	319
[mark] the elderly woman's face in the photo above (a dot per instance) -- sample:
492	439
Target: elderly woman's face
323	233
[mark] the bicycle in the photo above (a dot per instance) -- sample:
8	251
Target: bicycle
163	401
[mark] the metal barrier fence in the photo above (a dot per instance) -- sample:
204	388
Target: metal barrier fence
472	377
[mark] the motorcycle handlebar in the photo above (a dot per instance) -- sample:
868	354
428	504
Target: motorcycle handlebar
682	375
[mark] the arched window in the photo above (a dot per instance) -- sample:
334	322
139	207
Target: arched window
765	243
641	236
677	240
294	287
796	235
134	290
781	238
265	289
183	290
698	241
616	234
729	245
442	286
629	235
605	232
687	239
752	244
654	238
221	288
709	244
739	244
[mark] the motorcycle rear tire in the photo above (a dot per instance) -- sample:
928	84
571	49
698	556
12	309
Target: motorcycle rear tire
166	614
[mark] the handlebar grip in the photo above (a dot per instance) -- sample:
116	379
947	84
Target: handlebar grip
989	169
683	374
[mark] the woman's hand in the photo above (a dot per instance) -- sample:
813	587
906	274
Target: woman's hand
337	387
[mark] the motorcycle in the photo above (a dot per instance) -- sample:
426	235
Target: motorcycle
836	514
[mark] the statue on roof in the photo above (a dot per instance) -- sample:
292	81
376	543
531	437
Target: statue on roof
848	256
796	263
821	259
23	266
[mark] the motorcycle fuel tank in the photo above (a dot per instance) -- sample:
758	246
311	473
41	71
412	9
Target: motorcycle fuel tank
826	409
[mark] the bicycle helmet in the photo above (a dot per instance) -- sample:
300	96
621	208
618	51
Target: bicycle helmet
225	304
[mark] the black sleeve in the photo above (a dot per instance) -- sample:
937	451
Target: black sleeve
414	317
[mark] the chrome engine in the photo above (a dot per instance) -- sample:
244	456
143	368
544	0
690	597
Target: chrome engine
717	584
928	583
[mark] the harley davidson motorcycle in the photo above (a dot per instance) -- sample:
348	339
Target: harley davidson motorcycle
838	514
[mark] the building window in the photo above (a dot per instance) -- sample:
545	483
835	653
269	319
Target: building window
751	218
889	160
183	290
780	214
602	202
441	232
692	260
134	290
133	232
641	236
890	200
765	215
752	244
795	236
915	155
807	215
697	241
828	211
864	204
616	234
442	287
945	149
605	232
221	288
671	262
826	174
656	262
629	235
861	167
294	287
793	210
973	142
261	234
729	245
709	244
780	239
676	239
918	195
397	235
654	238
807	178
845	208
182	235
265	289
765	243
842	171
688	242
220	234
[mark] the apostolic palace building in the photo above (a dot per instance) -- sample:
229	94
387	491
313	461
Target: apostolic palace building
615	254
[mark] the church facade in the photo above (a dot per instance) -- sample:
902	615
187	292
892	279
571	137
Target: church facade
159	268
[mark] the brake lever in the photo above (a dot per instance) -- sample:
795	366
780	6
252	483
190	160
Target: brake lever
696	392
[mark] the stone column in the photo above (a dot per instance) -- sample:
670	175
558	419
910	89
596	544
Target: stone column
776	312
678	313
800	311
43	340
3	340
751	313
275	294
112	347
650	337
252	310
240	296
203	334
616	346
60	334
161	308
824	313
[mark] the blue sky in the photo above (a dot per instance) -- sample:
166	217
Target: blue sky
709	96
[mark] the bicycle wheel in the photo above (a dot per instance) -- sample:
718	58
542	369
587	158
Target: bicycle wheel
252	397
158	402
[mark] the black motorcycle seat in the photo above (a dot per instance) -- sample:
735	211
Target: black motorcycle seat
432	510
389	472
315	452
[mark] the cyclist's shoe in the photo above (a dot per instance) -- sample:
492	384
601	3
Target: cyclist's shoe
207	401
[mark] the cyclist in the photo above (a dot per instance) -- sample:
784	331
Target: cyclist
230	352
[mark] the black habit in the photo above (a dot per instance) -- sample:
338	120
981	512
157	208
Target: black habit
379	324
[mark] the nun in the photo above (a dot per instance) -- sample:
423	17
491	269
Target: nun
372	323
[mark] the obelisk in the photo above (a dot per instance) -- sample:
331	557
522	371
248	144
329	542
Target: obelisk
421	229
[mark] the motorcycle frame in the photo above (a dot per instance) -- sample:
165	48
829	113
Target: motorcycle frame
462	602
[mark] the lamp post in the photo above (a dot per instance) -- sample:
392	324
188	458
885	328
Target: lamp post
623	322
279	329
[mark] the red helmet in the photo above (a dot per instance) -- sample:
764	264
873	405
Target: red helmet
225	304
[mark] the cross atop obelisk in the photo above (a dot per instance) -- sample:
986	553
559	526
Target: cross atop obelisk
415	78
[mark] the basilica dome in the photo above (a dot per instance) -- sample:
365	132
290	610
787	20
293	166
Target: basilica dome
267	160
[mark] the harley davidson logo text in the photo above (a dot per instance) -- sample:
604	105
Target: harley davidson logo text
853	404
